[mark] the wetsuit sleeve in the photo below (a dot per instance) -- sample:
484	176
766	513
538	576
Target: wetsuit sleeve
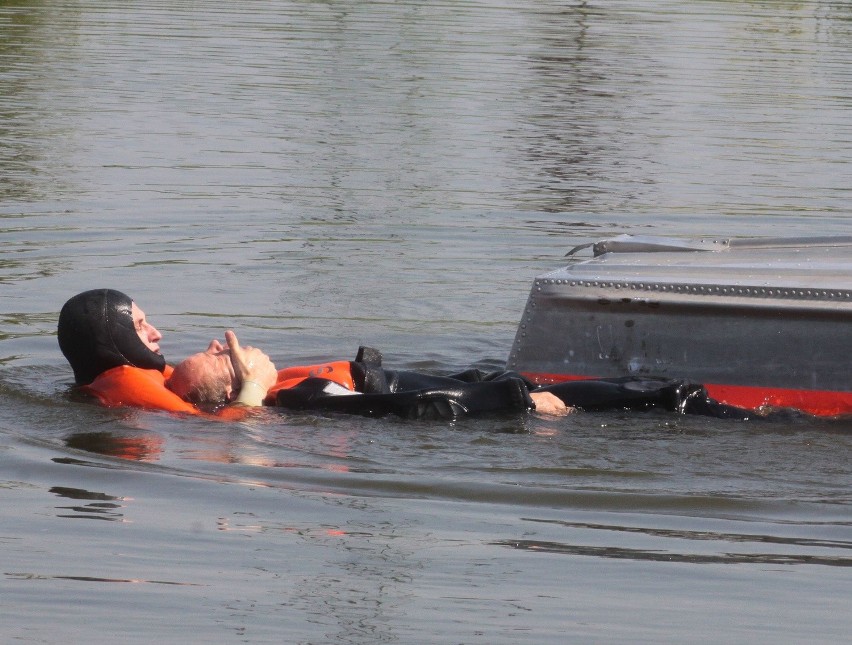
632	393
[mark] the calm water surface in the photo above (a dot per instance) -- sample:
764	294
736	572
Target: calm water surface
320	175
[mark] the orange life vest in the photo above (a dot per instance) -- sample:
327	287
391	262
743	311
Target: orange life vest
338	371
136	387
140	388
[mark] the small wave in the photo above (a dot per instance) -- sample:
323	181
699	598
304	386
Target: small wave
620	553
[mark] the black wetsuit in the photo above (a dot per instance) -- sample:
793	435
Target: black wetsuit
413	395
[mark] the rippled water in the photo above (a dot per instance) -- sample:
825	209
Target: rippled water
320	175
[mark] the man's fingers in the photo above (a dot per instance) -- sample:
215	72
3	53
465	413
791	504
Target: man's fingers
233	342
548	403
238	354
250	364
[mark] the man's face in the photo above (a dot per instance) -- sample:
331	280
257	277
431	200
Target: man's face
210	371
148	334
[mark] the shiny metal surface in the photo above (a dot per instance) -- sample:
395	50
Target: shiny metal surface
756	314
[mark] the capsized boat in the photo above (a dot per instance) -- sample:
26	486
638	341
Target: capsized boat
761	322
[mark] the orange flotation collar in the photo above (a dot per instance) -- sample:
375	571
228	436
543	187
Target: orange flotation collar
338	371
136	387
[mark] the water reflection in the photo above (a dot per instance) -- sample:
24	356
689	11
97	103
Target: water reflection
137	447
659	555
38	576
678	545
33	138
376	568
331	172
564	148
546	106
708	535
103	508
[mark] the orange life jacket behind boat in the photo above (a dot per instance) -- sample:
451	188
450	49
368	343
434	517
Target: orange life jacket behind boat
136	387
338	371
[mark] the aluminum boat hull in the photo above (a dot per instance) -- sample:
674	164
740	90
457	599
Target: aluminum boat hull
760	322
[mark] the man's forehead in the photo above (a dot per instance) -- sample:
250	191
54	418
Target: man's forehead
224	354
212	359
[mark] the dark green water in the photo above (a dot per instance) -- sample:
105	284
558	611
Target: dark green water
319	175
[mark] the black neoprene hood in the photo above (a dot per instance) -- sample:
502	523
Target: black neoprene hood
96	333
